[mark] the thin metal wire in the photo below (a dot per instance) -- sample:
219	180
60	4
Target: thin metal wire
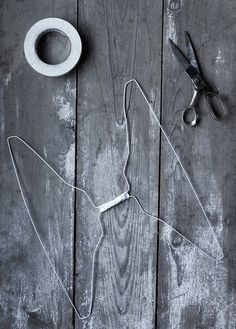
109	204
38	235
181	165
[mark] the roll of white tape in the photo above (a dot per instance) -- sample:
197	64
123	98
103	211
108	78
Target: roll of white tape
40	28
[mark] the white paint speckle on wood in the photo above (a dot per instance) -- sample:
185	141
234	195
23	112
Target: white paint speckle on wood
196	292
7	79
65	103
2	119
214	205
171	27
64	110
69	89
219	59
45	152
70	163
17	108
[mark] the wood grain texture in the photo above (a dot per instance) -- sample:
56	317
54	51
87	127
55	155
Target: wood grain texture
121	40
195	292
75	123
42	111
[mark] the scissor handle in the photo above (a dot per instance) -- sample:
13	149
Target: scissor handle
215	105
190	116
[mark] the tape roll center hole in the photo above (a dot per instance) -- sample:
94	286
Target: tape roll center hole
53	47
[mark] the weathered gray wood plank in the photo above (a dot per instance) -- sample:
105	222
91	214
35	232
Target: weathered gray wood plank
195	292
42	111
121	40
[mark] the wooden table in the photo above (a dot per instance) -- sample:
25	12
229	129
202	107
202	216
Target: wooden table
146	276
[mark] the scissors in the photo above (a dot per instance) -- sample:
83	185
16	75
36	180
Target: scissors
191	67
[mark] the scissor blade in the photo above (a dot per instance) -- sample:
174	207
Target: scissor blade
189	69
190	52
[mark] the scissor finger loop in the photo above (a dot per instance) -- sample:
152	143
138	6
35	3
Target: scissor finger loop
215	105
190	116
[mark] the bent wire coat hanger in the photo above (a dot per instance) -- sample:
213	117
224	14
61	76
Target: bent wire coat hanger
102	208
